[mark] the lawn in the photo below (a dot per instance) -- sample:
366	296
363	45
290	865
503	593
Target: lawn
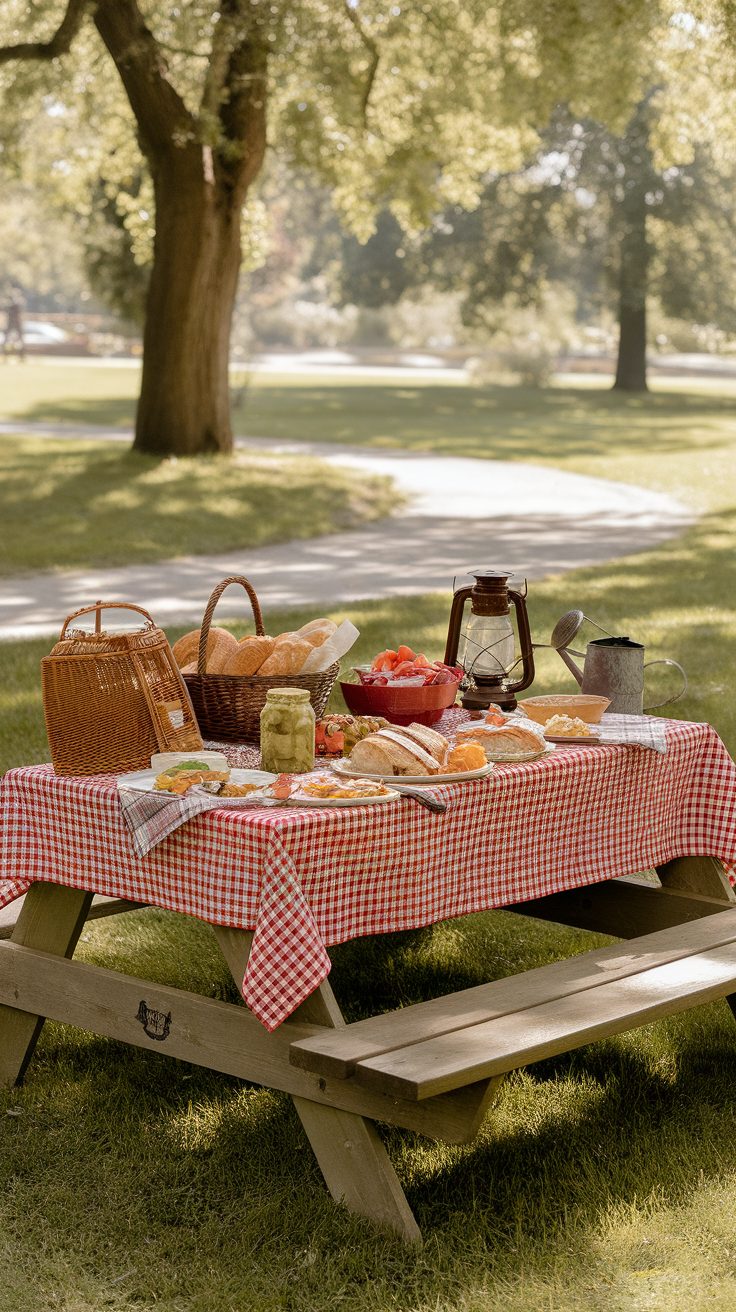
67	503
605	1181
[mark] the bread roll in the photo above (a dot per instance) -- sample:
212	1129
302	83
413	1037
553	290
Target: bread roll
319	634
191	668
226	644
249	655
287	657
285	637
317	631
186	649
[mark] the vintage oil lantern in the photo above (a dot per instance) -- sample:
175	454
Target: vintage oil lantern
483	642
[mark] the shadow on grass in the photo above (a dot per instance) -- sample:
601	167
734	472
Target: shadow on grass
498	422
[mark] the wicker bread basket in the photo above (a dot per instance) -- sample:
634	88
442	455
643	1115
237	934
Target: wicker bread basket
113	699
228	706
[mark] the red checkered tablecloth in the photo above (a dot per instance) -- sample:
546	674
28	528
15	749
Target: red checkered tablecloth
304	879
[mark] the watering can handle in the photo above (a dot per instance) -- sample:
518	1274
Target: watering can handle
666	661
572	667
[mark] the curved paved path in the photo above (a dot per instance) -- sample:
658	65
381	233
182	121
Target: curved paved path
462	512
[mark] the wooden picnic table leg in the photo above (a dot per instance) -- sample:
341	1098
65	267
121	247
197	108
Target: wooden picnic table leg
350	1153
51	919
700	874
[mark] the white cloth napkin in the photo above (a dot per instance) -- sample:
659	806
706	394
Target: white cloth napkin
643	730
151	817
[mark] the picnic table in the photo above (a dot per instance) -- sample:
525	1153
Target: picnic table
564	838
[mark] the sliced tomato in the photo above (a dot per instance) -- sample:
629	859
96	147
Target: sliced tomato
404	669
405	653
385	660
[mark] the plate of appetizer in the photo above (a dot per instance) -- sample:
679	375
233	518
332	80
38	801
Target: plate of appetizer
204	775
570	731
326	790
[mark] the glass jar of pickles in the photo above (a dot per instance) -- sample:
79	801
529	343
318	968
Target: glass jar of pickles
287	731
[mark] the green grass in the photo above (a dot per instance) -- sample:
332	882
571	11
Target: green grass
67	503
604	1181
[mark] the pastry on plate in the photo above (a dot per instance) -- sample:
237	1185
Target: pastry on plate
503	741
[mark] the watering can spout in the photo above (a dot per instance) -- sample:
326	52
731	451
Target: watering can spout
572	667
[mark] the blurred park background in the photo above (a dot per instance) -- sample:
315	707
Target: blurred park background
503	231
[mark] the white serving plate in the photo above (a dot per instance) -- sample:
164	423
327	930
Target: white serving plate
520	758
143	781
590	740
344	768
391	796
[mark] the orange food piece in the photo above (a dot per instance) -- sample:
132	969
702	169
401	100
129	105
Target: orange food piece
405	654
422	661
495	717
466	756
385	660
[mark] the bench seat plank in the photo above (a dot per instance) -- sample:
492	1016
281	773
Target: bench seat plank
337	1052
502	1045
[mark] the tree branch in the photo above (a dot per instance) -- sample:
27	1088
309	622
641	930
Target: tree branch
242	108
60	42
375	54
162	117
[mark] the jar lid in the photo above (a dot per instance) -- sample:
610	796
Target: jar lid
287	695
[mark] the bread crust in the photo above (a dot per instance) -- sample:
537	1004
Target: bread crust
318	634
394	751
186	649
287	657
249	655
317	631
226	644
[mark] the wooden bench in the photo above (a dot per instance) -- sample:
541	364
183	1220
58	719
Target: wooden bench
432	1048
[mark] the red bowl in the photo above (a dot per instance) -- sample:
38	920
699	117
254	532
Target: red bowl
418	705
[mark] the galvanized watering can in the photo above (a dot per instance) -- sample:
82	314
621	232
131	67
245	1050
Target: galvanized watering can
613	668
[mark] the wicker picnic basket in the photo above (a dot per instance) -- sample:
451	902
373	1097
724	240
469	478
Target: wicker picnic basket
113	699
228	706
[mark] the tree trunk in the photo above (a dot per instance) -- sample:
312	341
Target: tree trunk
184	405
635	157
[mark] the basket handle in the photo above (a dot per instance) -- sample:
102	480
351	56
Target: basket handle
104	605
217	592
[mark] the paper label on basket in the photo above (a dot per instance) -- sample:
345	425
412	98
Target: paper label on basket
344	637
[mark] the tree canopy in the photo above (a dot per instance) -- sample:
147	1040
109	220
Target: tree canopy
165	112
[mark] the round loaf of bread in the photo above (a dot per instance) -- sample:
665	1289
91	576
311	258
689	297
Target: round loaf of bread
225	645
186	649
287	657
249	655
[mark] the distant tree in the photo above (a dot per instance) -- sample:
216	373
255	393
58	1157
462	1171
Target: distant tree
409	105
